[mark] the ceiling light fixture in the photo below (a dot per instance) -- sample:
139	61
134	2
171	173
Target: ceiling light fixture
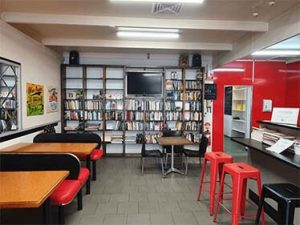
229	70
144	29
147	35
276	53
162	1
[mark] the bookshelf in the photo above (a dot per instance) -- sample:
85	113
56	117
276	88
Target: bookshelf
9	88
94	100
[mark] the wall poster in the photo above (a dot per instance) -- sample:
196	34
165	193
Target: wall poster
35	99
52	103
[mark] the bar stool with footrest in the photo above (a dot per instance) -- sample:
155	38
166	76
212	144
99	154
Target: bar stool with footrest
217	160
240	173
287	197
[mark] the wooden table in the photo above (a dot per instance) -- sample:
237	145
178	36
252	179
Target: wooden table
173	141
29	189
79	149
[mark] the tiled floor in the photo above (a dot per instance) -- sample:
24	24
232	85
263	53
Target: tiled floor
121	195
233	148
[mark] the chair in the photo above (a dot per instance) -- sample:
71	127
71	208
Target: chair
168	149
287	197
198	153
151	154
75	138
67	190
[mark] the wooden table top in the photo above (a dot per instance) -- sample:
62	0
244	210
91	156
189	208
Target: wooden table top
28	189
174	141
78	149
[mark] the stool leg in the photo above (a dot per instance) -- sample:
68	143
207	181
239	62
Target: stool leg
258	181
213	182
94	170
244	197
202	179
237	190
220	195
260	206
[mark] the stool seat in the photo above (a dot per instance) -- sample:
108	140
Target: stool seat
287	197
221	156
241	169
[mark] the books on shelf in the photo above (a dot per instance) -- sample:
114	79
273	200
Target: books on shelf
192	95
173	115
93	127
78	94
153	105
92	115
134	115
71	128
191	125
151	138
174	85
73	105
114	105
193	106
113	96
130	139
155	126
134	126
117	139
153	116
193	85
93	105
134	104
8	103
74	115
197	116
113	116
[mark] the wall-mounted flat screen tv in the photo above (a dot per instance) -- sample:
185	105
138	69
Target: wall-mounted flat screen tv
144	83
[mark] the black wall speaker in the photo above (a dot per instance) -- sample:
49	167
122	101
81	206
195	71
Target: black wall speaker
74	58
197	60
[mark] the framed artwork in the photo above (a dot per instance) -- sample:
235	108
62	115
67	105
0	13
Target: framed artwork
52	103
35	99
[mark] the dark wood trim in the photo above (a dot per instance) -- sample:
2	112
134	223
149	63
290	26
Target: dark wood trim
12	135
11	61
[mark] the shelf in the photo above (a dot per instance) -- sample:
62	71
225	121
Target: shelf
92	78
238	130
240	121
114	78
295	127
73	78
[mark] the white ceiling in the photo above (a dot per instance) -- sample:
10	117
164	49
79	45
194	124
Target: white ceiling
90	25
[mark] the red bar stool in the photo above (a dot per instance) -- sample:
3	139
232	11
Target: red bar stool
239	173
217	160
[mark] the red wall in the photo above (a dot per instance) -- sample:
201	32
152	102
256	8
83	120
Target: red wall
293	86
269	83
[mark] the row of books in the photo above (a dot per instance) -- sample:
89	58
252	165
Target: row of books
193	85
151	138
189	125
153	105
93	105
114	96
133	104
174	85
153	116
193	106
134	115
173	106
193	116
114	116
193	95
73	105
173	115
74	115
117	139
117	125
92	115
134	125
193	137
114	105
156	126
130	139
175	95
93	127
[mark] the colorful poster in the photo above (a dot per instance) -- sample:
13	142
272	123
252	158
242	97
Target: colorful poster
52	104
35	99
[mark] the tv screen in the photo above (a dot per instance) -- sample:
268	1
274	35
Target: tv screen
140	83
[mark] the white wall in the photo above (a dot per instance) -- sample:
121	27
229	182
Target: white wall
38	65
134	59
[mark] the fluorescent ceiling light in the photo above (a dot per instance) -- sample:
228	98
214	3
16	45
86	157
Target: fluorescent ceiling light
276	53
229	70
163	1
144	29
147	35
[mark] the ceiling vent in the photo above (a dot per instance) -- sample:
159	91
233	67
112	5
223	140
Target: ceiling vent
166	8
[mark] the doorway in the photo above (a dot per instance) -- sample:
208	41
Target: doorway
237	117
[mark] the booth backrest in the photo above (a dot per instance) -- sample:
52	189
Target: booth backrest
39	162
67	138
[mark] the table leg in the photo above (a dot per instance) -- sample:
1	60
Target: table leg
88	182
47	212
172	169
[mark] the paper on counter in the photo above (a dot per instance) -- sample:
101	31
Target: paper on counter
281	145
